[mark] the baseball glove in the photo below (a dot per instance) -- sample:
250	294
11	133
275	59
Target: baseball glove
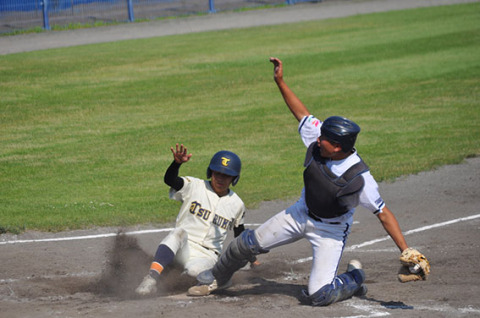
415	266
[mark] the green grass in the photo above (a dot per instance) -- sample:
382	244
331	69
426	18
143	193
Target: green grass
86	131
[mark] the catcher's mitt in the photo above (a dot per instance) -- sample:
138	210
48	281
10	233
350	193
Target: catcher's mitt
409	259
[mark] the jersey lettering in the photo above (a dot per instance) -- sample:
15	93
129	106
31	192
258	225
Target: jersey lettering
204	214
194	206
222	222
197	210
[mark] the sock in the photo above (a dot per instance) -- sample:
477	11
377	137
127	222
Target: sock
163	257
155	270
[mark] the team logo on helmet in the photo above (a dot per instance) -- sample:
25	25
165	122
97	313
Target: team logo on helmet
225	161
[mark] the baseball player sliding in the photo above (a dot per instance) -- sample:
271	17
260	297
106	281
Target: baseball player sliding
209	209
336	180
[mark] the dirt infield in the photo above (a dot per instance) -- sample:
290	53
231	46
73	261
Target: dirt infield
72	274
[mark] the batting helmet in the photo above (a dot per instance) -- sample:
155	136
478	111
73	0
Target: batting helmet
225	162
340	130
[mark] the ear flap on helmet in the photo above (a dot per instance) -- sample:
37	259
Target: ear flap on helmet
234	182
209	173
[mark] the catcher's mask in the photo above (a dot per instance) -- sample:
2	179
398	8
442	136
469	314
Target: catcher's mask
225	162
340	130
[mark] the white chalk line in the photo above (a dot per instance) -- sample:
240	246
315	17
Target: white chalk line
140	232
92	236
379	310
83	237
372	310
420	229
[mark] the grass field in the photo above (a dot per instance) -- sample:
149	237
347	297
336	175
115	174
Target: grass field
86	131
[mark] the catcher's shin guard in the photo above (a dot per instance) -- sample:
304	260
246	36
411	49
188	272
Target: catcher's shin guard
343	287
240	251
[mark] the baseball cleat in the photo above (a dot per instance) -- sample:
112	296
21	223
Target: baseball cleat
205	290
147	287
354	264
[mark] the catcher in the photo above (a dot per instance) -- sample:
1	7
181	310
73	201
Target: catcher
336	181
209	209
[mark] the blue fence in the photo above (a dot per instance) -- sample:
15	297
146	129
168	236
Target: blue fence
24	14
53	5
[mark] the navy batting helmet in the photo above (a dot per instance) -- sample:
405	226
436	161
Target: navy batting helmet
225	162
340	130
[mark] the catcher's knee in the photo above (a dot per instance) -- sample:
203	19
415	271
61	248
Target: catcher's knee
249	243
322	297
244	247
343	287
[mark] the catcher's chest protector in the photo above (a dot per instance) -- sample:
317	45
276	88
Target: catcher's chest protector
328	195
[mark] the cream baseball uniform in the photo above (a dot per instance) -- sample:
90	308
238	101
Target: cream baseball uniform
202	224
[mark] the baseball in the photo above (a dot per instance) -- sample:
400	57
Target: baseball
415	269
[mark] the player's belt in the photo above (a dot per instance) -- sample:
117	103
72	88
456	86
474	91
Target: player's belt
316	218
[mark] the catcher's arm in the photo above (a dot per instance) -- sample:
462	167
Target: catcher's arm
298	109
391	226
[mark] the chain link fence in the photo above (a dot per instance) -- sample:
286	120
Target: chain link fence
27	14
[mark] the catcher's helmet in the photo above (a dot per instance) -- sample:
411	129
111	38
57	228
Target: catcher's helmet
227	163
341	130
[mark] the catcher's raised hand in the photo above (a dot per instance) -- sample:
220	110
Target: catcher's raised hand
277	69
180	154
415	266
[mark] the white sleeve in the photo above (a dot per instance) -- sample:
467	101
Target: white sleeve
184	191
241	216
370	196
309	129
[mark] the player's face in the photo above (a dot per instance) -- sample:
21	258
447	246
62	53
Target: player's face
220	182
328	149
